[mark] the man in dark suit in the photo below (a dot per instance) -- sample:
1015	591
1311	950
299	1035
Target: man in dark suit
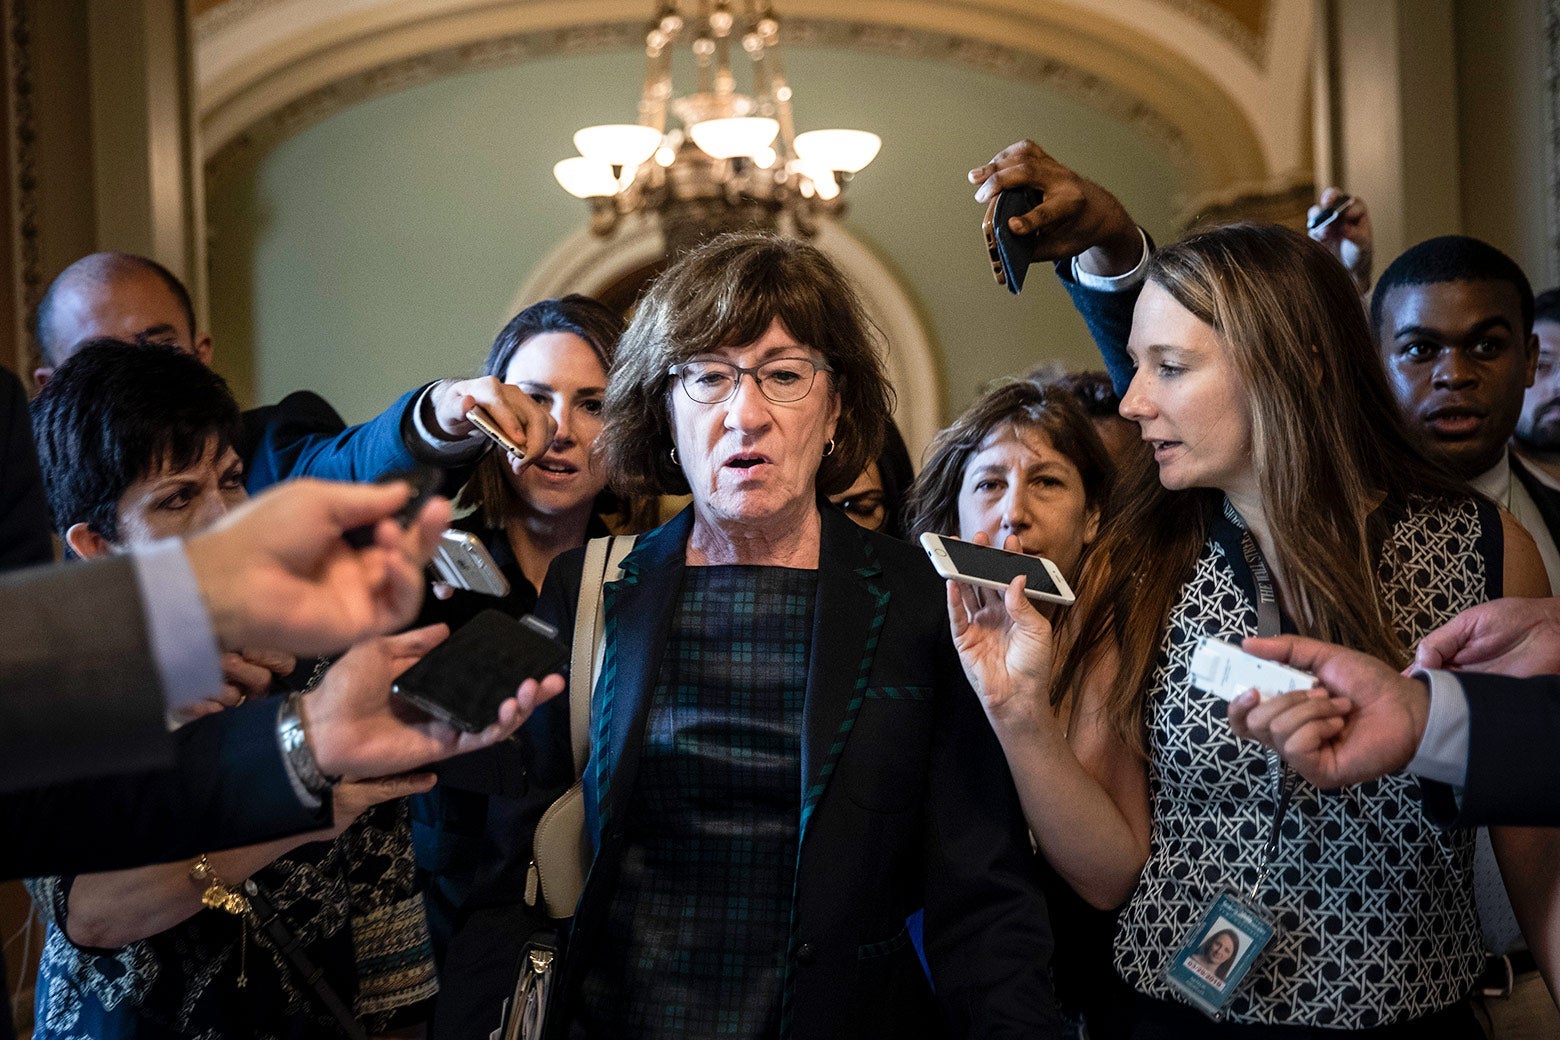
1482	743
135	299
24	515
276	572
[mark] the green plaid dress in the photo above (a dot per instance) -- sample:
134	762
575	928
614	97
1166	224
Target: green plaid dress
696	936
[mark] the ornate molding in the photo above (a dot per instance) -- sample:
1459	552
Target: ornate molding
1552	90
1007	62
1221	22
28	287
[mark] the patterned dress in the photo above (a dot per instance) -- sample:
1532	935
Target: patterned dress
1374	904
350	902
700	919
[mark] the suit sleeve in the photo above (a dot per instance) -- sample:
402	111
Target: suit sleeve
80	694
303	436
25	524
228	787
988	935
1109	318
1513	779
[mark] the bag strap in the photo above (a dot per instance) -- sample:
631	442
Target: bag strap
603	563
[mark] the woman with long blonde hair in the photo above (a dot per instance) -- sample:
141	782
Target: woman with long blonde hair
1284	494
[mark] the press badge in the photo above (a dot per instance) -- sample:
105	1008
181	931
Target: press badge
1218	953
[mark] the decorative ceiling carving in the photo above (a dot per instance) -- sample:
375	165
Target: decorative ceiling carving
1221	87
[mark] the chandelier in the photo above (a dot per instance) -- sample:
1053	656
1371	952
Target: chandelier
735	161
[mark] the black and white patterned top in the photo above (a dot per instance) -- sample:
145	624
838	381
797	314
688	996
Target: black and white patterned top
1374	905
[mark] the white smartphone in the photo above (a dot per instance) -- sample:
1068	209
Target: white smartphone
994	568
463	561
1227	671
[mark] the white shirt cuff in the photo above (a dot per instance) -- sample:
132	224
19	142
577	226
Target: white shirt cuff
178	629
436	441
1443	751
1113	283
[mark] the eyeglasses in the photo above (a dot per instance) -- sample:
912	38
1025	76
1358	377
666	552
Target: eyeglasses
782	381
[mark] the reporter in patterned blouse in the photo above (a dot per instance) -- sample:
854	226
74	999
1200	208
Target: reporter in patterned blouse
1277	449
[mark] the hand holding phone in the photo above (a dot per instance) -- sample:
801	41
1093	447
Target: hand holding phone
463	562
479	418
424	481
1010	253
994	568
464	679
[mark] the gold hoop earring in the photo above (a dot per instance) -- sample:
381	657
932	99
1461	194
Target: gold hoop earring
828	449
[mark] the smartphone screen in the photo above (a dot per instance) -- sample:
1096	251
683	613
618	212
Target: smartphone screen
982	561
464	679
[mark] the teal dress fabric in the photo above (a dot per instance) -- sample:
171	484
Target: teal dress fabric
699	924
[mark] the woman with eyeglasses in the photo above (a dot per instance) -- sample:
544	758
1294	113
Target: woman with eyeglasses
785	760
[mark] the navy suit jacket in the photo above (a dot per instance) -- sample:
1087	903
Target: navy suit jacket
25	526
226	786
1513	768
906	799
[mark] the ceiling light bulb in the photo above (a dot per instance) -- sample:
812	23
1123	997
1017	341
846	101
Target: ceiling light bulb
844	150
618	144
745	136
586	178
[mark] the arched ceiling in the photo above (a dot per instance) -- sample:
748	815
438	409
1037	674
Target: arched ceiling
1221	85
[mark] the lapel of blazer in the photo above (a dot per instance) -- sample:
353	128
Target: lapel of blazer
638	608
848	619
1546	498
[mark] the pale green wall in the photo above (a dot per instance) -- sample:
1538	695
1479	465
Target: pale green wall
380	248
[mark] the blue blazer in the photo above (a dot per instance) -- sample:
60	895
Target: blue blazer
906	800
304	436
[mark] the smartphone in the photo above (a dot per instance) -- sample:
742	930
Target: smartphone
424	481
994	568
463	561
484	422
1330	213
1011	253
464	679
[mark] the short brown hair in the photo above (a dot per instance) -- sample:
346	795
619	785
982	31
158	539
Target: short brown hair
727	293
1023	405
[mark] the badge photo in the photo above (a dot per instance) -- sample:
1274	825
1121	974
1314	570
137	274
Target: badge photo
1218	953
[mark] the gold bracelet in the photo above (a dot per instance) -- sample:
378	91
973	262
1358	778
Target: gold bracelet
219	895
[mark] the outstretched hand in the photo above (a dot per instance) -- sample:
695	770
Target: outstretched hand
525	422
1348	236
1004	645
356	728
1076	218
1364	721
1519	637
277	572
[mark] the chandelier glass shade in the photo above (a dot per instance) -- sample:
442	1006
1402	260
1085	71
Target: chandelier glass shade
733	160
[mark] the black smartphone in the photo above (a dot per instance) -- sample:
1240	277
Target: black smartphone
1012	253
464	679
424	481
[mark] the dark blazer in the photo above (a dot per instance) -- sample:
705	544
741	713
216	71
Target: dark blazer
1545	497
226	786
1513	773
25	526
906	799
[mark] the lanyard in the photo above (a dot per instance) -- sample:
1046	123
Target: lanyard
1268	624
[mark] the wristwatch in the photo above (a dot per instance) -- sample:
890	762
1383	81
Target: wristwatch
296	750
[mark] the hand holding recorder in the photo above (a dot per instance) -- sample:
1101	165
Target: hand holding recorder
503	413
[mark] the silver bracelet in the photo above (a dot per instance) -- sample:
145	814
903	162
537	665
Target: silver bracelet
296	750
